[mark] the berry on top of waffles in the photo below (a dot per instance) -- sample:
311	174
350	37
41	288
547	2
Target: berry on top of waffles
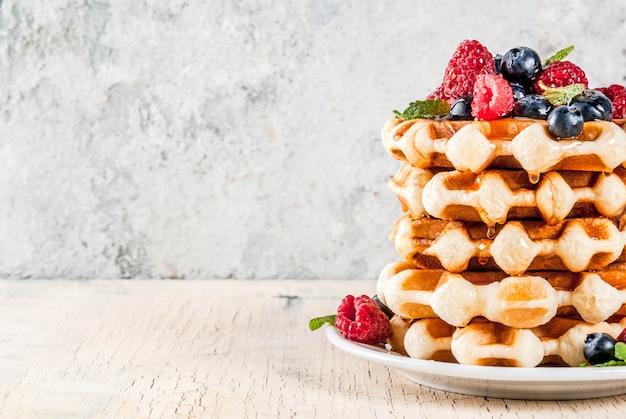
461	109
533	106
470	59
493	97
521	65
593	105
489	86
613	91
617	95
559	74
565	122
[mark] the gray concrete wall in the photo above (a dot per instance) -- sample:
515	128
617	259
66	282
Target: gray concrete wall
214	139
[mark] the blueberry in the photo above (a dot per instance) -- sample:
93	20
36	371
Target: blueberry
565	122
461	109
518	91
593	104
521	65
497	60
533	106
599	348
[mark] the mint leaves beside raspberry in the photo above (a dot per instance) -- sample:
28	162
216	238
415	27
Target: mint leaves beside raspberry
318	322
559	56
427	109
561	95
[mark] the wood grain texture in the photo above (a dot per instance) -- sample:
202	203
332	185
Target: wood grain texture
214	348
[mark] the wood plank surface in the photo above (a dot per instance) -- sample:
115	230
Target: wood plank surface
214	348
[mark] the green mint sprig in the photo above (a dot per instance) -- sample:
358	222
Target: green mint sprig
561	95
318	322
559	56
428	109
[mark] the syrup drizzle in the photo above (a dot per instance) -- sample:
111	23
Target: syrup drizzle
482	258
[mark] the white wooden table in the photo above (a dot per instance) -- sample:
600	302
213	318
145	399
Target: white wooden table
213	348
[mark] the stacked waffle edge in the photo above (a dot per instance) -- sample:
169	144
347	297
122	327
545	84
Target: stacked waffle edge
512	245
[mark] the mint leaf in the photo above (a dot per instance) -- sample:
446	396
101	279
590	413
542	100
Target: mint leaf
559	56
620	351
561	95
429	109
612	363
318	322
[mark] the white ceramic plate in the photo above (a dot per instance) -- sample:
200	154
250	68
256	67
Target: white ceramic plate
541	383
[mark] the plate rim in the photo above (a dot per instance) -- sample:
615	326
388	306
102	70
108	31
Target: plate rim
563	374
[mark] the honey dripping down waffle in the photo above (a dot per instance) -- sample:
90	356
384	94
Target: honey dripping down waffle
512	178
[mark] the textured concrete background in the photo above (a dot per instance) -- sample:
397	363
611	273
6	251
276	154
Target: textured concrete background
177	139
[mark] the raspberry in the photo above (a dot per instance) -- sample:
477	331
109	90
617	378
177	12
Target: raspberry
616	90
360	319
493	97
470	59
604	91
617	95
619	106
613	91
438	94
559	74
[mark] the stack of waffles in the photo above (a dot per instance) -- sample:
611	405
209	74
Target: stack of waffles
512	241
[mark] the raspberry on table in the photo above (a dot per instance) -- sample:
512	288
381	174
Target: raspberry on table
360	319
493	97
470	59
559	74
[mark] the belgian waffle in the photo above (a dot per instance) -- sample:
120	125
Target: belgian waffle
559	341
576	244
522	301
494	196
514	241
504	143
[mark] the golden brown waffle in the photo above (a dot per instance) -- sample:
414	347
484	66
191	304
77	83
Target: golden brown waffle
559	341
513	242
505	143
523	301
576	244
494	196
